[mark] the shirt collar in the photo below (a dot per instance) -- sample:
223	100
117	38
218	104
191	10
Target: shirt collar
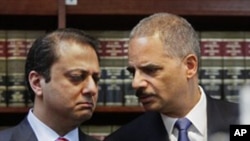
43	132
198	115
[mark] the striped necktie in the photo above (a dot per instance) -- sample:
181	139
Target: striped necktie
182	125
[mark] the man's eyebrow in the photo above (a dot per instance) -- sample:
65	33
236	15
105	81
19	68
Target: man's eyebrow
83	71
77	70
149	66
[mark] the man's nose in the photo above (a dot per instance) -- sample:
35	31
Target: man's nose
139	80
90	86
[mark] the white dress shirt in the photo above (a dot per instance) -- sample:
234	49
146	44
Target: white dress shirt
198	116
45	133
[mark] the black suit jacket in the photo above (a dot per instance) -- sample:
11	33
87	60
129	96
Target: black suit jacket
24	132
150	127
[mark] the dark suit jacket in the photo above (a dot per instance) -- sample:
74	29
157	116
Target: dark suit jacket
150	127
24	132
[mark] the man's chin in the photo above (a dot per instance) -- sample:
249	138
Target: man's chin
150	107
83	116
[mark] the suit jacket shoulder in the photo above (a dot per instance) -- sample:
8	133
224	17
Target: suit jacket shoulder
21	132
147	127
6	134
220	115
24	132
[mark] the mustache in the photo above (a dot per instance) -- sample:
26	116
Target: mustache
140	92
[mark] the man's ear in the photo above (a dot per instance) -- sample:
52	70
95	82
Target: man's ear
191	62
35	82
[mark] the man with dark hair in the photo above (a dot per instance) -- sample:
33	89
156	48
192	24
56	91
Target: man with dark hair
62	73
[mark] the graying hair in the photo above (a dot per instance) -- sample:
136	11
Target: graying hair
176	33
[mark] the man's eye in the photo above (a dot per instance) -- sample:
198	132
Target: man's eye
77	78
131	70
96	79
151	70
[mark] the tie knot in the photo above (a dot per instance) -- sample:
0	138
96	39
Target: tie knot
182	124
61	139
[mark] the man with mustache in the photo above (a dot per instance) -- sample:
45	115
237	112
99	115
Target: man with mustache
163	56
62	73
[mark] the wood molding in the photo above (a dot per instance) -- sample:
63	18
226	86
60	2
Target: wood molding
145	7
61	14
99	109
129	7
28	7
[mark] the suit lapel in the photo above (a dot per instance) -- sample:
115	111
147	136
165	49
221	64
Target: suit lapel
215	117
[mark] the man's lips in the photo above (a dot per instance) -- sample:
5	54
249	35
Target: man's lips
86	104
144	99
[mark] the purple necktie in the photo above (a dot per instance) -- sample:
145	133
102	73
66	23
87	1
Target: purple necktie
182	125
